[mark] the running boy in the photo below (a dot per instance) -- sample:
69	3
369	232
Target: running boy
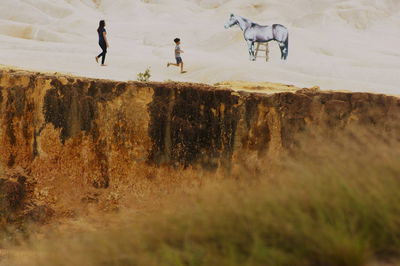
178	51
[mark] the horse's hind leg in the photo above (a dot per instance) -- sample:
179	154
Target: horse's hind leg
283	50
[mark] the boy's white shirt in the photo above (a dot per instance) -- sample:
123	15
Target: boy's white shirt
178	50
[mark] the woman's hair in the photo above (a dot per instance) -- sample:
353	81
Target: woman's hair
102	24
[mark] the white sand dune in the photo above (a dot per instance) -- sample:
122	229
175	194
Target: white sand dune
336	44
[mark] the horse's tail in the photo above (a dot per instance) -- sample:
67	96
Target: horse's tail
287	46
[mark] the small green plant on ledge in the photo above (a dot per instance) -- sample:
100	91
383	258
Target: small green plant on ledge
145	76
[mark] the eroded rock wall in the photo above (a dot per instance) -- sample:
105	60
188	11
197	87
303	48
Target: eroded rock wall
92	132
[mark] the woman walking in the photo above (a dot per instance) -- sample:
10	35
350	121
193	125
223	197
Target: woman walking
102	42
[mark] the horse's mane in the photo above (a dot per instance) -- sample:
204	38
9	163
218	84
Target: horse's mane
252	23
247	20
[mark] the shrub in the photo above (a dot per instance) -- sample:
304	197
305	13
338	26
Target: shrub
145	76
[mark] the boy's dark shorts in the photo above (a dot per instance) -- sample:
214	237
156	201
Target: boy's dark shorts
178	60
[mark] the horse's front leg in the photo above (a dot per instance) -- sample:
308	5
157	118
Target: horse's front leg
251	50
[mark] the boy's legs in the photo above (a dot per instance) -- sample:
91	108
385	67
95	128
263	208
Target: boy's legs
172	64
179	63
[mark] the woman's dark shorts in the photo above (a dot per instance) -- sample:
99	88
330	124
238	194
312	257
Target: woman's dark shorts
178	60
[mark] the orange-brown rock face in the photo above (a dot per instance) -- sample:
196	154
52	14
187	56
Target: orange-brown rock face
92	132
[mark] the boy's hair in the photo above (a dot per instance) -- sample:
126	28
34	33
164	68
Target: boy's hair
176	40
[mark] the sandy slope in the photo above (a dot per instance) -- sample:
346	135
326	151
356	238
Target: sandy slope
336	44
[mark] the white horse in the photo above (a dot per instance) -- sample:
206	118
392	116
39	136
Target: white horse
254	32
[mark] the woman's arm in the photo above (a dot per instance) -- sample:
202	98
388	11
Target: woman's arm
105	38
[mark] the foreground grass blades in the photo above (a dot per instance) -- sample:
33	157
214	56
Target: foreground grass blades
333	202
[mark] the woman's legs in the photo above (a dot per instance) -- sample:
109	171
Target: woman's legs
103	54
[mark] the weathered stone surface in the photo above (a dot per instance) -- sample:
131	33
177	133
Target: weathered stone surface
39	214
12	194
192	125
91	132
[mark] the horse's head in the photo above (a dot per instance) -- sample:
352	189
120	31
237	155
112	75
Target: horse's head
231	22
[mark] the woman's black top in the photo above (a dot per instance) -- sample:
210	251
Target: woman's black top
101	36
